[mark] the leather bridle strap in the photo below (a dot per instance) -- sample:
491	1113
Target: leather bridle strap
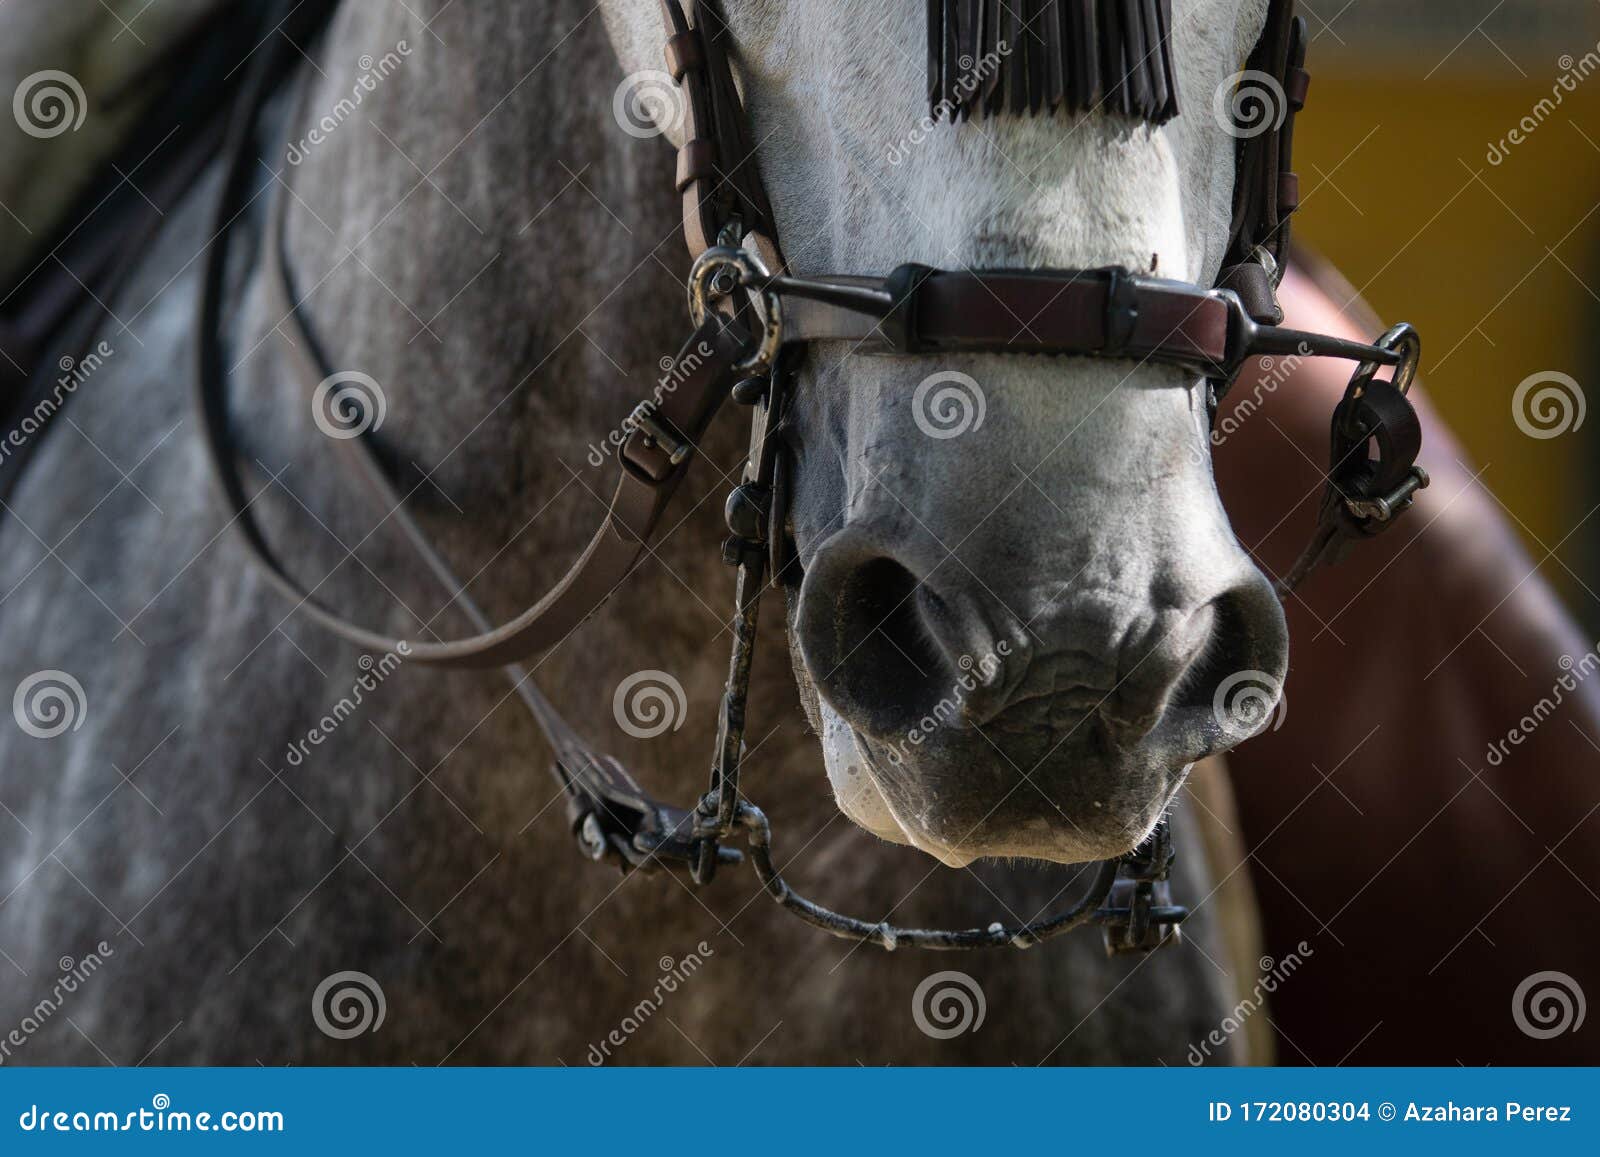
718	175
1266	191
1106	313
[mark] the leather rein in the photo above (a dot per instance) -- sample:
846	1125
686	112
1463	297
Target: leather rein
751	315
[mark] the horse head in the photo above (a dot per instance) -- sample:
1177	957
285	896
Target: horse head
1014	593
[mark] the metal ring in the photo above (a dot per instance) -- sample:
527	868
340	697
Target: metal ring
753	276
1408	342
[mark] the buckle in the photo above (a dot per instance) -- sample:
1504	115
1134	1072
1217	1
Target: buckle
1140	916
635	832
657	433
1385	508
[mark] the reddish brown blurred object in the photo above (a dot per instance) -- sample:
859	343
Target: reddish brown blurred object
1432	863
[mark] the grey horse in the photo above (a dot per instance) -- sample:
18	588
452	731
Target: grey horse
273	848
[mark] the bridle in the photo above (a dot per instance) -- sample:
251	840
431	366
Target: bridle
752	317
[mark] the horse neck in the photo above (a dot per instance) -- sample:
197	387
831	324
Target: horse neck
470	228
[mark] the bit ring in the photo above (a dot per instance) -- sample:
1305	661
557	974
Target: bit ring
713	267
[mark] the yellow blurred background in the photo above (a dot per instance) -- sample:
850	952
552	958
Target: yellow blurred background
1498	264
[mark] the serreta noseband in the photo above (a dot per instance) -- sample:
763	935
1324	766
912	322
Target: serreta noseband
749	311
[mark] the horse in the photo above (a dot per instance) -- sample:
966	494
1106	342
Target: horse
248	825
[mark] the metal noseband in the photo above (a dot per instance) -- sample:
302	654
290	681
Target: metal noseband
750	316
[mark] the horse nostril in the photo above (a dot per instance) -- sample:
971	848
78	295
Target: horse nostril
1248	651
863	631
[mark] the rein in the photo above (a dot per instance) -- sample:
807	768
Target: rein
750	315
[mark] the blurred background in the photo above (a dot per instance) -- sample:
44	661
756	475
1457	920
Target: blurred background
1415	185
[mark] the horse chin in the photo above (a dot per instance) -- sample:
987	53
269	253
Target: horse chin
858	780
